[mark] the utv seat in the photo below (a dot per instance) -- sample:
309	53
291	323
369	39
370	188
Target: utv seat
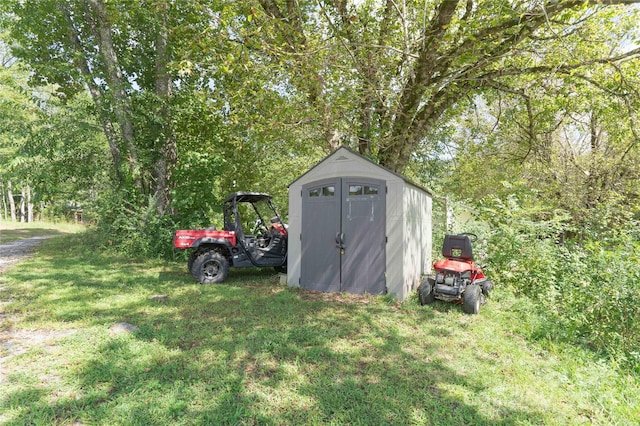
457	247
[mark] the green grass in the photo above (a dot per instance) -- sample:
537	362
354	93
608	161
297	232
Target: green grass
251	351
13	231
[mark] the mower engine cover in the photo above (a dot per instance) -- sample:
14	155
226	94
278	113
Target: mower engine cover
459	266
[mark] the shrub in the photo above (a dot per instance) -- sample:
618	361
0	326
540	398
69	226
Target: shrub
586	287
133	228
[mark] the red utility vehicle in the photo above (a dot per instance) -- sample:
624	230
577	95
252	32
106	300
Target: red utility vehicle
457	278
247	240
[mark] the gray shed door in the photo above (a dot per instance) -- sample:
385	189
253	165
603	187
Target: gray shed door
344	236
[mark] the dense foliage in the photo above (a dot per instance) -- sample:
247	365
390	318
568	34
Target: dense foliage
586	288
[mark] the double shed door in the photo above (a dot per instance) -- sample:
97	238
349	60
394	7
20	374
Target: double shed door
343	241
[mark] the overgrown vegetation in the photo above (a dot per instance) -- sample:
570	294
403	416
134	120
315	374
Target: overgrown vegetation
251	351
584	283
136	229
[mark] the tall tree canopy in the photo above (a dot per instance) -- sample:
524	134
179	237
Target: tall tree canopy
382	75
199	97
119	53
173	89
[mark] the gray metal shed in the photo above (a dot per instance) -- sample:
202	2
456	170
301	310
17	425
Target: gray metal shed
357	227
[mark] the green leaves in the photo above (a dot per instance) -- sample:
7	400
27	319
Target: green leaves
586	285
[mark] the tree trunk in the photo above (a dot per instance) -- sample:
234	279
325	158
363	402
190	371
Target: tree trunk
23	212
594	183
29	204
168	150
102	29
102	107
12	202
4	202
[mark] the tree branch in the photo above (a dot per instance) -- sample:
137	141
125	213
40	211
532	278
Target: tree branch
563	69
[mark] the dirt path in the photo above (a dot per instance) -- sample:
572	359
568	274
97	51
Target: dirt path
18	250
16	342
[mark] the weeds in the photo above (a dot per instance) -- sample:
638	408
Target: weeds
583	291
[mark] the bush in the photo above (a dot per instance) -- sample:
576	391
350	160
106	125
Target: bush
133	228
586	287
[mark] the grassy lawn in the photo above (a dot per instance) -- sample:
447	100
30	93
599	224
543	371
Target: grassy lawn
250	351
13	231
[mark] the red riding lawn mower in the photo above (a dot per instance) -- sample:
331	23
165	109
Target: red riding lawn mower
457	279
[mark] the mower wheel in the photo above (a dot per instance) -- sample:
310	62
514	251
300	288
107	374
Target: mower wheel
472	299
486	288
210	267
425	291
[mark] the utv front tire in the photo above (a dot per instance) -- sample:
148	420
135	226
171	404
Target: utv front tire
210	267
425	291
472	299
192	258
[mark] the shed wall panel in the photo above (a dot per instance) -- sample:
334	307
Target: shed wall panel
417	237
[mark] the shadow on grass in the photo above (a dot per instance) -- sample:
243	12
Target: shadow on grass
245	352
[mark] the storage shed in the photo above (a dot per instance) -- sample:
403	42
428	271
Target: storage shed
357	227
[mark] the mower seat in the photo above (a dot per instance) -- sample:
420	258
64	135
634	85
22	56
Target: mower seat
457	247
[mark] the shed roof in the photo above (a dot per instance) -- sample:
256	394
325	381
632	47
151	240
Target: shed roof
344	148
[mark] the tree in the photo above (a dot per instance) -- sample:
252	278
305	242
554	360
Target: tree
406	66
119	53
17	111
574	145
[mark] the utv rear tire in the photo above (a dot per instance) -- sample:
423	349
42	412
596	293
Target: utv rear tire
472	299
425	291
210	267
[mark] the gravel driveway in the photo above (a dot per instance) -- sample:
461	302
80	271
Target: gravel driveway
17	342
18	250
